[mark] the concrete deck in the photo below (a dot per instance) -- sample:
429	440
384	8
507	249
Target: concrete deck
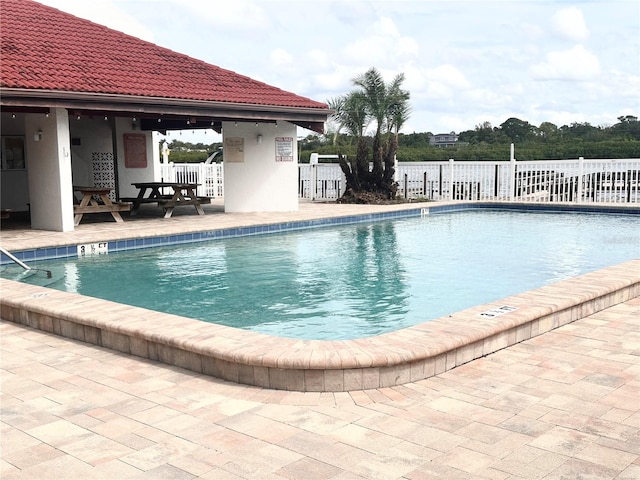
564	404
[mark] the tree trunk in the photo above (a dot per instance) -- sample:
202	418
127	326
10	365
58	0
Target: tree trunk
364	186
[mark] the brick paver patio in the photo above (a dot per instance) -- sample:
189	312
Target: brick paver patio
564	405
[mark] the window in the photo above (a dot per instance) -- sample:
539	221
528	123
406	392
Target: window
12	153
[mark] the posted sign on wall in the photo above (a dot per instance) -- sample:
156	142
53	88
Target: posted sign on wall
284	149
234	149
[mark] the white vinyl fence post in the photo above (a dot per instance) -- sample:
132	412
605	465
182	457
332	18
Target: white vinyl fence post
313	175
580	179
395	169
512	159
201	190
451	161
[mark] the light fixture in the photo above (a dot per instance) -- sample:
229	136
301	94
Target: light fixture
259	138
106	118
37	136
276	124
13	115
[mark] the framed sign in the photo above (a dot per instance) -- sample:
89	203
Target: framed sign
135	150
284	149
234	149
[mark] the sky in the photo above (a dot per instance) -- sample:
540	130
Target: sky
465	62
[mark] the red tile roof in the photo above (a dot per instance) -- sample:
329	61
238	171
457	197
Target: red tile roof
43	48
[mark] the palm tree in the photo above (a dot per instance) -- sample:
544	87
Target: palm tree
385	105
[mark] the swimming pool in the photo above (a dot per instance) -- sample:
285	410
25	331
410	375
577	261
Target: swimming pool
355	281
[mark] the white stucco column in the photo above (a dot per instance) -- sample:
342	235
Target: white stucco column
260	167
49	165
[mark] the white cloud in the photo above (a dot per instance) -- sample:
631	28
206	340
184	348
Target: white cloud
232	15
104	12
448	75
281	58
383	45
576	63
569	23
489	100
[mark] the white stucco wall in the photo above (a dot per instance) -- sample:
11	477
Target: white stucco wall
259	183
90	135
128	175
49	164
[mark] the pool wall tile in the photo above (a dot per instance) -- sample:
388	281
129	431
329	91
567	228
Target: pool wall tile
429	367
295	380
116	341
440	364
152	350
139	347
187	360
166	240
45	323
465	354
523	332
230	371
314	381
352	379
246	375
92	335
212	366
370	378
277	378
261	376
450	361
333	380
417	370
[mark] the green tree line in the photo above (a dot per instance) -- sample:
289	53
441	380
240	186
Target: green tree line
484	142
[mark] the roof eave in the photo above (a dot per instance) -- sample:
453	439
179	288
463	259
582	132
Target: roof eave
307	117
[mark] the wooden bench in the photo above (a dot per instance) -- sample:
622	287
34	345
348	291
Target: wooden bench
146	200
96	200
114	207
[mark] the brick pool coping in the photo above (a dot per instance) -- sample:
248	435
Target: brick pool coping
246	357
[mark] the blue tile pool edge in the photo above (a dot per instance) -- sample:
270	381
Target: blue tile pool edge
50	253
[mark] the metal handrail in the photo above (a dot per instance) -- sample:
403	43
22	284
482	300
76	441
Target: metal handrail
21	263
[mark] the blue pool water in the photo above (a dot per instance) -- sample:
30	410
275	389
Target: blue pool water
344	282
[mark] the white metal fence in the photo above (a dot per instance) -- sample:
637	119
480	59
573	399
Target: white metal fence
596	181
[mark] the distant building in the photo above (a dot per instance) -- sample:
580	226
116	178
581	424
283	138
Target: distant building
444	139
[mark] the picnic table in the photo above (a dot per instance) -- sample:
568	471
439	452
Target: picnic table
152	192
96	200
